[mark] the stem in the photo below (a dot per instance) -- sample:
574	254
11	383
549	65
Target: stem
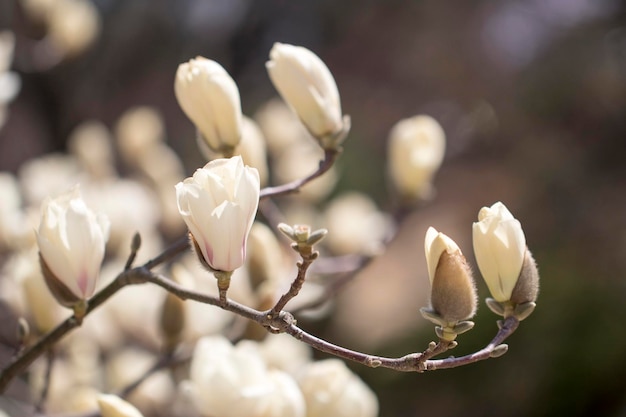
296	285
330	155
132	276
508	327
284	322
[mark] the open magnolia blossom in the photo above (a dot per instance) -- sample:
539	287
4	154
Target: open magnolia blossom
453	293
210	98
499	247
307	85
71	241
219	204
416	148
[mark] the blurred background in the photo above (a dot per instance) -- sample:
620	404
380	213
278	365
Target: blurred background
531	95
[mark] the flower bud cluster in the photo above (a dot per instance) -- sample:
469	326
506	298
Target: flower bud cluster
504	261
210	98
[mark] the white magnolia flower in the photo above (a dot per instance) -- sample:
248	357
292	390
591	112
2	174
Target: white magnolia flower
228	381
71	241
499	247
114	406
219	204
331	389
416	149
210	98
307	85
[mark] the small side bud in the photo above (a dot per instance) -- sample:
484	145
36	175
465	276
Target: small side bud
303	237
524	310
135	244
495	306
499	351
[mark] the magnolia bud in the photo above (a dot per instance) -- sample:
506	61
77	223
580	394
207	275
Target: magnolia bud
71	241
307	85
114	406
499	247
210	98
416	148
219	204
453	293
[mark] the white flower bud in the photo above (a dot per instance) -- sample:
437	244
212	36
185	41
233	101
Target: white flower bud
416	148
71	241
210	98
499	247
453	293
219	204
331	389
114	406
307	85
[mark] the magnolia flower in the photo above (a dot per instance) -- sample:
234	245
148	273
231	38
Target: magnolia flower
210	98
219	204
71	241
499	247
229	381
416	148
114	406
331	389
453	294
306	84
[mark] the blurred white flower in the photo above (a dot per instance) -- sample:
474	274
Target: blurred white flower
71	240
307	85
499	247
114	406
331	389
219	204
73	25
210	98
252	148
230	381
355	225
416	149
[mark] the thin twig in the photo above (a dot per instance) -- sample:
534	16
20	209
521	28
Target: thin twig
330	155
46	380
285	323
296	285
132	276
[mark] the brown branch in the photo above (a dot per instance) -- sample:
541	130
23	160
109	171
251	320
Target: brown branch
132	276
296	285
330	155
284	322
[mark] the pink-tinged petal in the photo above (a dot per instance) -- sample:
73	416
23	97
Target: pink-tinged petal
219	204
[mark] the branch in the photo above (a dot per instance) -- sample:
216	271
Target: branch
330	155
132	276
284	322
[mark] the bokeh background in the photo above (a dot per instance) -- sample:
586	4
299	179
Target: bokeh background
532	96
